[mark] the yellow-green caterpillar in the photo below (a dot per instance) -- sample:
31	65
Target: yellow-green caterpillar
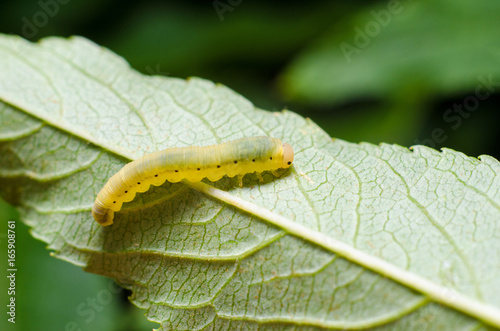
233	158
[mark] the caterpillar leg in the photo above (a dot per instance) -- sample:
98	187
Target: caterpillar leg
275	173
240	180
259	176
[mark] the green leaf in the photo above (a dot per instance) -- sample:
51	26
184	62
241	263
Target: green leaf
401	58
354	236
399	50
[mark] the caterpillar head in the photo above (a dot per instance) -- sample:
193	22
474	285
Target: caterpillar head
287	156
102	216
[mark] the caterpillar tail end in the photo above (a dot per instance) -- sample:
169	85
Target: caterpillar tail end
103	216
287	156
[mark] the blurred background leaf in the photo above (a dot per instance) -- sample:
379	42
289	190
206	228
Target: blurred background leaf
280	54
392	66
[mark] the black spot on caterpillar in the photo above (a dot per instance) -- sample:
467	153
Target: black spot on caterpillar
233	158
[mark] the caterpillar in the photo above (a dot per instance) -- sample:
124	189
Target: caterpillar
233	158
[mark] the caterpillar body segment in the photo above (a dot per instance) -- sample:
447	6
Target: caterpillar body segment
233	158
